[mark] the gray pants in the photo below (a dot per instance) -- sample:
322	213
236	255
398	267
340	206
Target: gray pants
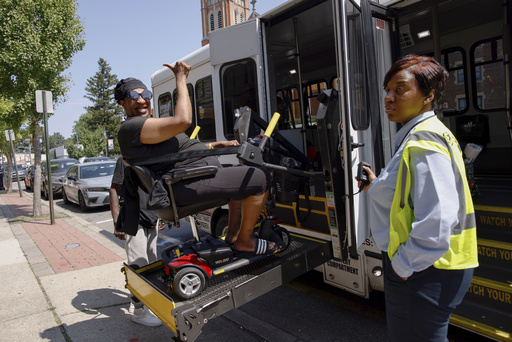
141	248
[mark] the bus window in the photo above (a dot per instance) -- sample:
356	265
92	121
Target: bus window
165	105
290	97
454	101
488	75
204	110
191	96
360	116
313	89
239	89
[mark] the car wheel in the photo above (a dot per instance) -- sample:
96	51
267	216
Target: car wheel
65	197
221	227
81	201
188	282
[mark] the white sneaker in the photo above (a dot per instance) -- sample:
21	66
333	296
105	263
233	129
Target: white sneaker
131	308
145	317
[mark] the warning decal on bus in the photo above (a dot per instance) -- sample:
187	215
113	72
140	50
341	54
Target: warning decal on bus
485	291
494	223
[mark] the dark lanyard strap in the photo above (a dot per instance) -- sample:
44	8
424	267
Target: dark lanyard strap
410	129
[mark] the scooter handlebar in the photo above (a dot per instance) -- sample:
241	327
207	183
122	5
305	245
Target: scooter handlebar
194	133
272	124
269	130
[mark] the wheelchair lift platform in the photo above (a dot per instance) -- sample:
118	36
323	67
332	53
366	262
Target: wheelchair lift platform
226	291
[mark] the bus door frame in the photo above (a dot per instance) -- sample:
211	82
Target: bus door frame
231	44
361	144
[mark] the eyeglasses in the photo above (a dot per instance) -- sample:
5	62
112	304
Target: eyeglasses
134	96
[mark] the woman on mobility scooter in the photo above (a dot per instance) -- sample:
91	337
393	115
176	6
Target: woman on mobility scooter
141	136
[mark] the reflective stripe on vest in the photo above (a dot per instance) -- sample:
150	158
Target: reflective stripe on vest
432	135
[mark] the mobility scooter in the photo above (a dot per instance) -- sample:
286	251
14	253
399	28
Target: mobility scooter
188	265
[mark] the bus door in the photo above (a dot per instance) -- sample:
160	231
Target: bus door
299	50
237	74
361	140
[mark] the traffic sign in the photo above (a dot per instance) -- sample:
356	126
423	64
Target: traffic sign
9	132
44	101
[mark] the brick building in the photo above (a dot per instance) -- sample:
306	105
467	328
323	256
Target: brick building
216	14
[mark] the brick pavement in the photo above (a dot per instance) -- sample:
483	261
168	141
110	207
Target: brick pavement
65	247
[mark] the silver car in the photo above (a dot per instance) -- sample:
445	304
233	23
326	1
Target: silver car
88	184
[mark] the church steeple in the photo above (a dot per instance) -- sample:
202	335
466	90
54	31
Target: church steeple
216	14
254	14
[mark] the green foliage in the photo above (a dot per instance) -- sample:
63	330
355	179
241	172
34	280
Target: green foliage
93	141
70	141
5	107
38	40
104	114
74	151
55	140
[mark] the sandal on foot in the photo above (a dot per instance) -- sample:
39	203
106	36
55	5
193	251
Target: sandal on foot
262	248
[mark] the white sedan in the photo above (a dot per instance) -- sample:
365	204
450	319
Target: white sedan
88	184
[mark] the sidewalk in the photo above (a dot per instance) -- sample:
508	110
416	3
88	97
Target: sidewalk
62	282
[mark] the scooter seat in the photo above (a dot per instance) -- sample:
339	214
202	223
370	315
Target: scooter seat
144	176
167	213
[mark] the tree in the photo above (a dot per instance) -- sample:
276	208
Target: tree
93	142
70	141
37	41
104	114
74	151
24	140
56	140
5	107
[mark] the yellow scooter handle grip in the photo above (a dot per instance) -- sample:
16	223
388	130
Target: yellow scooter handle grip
272	124
269	130
194	133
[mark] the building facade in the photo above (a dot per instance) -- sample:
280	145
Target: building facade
216	14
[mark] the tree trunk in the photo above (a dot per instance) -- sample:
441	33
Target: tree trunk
8	171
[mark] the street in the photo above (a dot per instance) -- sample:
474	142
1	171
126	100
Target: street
305	309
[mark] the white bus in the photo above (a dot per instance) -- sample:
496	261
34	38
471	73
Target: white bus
284	59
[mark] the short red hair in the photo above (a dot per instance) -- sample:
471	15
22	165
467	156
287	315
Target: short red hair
429	74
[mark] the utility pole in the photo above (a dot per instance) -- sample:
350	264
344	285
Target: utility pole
44	104
106	138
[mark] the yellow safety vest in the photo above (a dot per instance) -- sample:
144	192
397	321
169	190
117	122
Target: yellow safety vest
432	135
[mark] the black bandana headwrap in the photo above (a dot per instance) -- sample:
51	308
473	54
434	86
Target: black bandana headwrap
125	85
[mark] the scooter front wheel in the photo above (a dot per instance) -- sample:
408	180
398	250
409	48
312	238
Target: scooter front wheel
189	282
284	235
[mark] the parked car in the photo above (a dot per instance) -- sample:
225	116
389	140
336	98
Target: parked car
21	171
29	178
88	184
59	167
95	159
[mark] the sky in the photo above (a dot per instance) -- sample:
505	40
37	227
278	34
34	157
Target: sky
135	38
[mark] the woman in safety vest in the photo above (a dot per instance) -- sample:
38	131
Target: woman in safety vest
422	214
